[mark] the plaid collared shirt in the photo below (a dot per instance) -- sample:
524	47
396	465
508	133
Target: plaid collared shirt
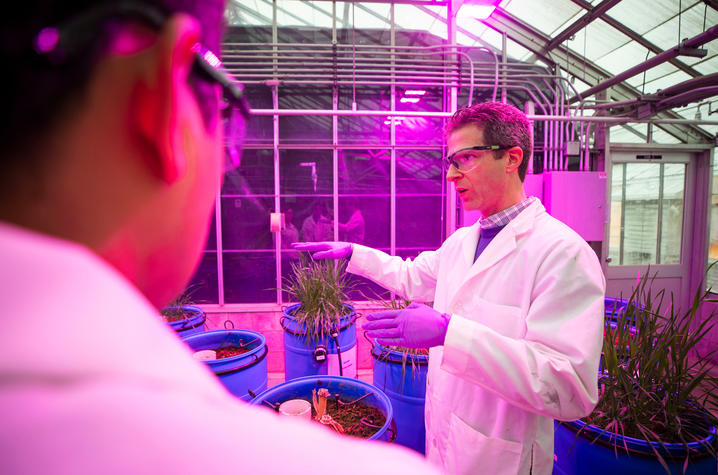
502	218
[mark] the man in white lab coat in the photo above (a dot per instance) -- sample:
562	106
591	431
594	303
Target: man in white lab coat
516	325
111	157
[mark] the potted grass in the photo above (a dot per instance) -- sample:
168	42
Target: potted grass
183	317
655	395
237	357
320	330
345	405
401	373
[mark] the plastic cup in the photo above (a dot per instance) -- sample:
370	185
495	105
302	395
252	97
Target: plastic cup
296	408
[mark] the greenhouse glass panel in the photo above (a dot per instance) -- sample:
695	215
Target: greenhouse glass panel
674	176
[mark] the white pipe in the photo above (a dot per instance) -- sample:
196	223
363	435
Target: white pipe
559	118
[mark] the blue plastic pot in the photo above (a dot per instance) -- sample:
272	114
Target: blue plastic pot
240	374
191	325
614	307
348	389
404	382
574	454
310	356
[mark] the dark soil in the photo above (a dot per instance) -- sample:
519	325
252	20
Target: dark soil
350	416
230	350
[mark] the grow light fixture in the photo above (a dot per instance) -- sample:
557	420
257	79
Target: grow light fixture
412	100
414	92
477	9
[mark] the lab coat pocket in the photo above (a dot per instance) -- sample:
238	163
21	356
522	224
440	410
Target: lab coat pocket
506	320
471	452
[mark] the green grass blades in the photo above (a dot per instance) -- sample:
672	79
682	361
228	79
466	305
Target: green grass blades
320	288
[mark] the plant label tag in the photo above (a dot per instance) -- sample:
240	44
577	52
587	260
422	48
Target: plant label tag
349	363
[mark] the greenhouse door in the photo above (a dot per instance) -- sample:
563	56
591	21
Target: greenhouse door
650	221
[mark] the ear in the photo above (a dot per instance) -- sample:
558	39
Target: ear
160	96
516	156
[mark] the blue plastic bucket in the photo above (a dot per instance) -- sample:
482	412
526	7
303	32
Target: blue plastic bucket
242	373
348	389
191	325
317	356
405	385
613	307
574	454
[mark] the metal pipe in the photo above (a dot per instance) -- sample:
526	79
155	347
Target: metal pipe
559	118
687	97
496	73
587	148
306	67
661	58
504	55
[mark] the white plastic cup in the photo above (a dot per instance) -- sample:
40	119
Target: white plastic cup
296	408
205	355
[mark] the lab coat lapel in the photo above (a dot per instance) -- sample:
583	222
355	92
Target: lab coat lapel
501	246
468	248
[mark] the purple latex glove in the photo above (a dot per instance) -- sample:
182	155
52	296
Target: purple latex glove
325	249
416	326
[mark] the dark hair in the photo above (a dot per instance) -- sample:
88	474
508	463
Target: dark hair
502	124
36	93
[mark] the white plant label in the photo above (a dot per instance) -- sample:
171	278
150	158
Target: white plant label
349	363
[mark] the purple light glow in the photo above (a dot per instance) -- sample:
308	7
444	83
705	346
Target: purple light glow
414	92
46	40
412	100
397	120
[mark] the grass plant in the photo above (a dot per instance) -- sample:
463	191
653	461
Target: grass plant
408	355
320	288
175	310
655	386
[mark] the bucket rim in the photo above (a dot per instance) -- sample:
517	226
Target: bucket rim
389	413
345	321
671	451
383	353
199	336
196	318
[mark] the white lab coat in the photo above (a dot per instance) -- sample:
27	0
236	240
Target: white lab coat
92	381
522	346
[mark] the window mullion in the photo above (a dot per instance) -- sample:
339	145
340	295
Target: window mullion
623	213
659	231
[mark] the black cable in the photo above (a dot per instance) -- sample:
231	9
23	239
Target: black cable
335	337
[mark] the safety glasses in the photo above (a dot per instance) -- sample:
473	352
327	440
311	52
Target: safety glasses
464	161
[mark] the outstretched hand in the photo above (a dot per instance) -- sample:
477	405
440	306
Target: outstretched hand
416	326
325	249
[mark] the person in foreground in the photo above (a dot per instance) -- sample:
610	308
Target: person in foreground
112	154
516	325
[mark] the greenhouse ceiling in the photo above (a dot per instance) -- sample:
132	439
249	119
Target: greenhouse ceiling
597	44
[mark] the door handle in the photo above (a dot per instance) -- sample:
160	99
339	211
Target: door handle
608	259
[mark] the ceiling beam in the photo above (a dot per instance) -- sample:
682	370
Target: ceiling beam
592	14
640	39
587	71
692	43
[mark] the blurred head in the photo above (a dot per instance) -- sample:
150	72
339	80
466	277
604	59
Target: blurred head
488	180
317	211
112	138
